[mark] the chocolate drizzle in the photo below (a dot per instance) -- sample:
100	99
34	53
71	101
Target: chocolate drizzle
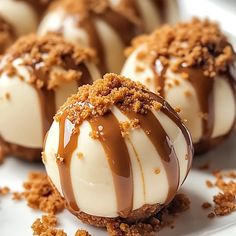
66	147
118	158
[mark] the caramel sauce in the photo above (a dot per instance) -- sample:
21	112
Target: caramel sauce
118	158
164	147
66	147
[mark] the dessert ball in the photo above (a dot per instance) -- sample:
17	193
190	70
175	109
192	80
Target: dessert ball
96	24
192	66
7	35
36	77
116	150
153	13
23	15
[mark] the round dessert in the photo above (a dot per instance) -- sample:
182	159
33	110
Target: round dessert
23	15
7	35
96	24
192	66
153	13
36	77
116	150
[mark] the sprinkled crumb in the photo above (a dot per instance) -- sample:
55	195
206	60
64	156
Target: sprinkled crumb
224	202
4	191
139	69
7	96
80	156
209	184
40	195
97	99
177	109
154	224
59	159
32	49
126	126
197	43
82	232
17	196
157	171
206	205
187	93
46	226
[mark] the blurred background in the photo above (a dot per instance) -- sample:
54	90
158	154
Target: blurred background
223	11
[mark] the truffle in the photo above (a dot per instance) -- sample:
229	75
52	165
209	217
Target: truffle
37	74
192	66
23	15
95	23
153	13
117	177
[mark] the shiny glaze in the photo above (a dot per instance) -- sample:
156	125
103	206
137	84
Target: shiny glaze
66	147
164	147
125	29
204	87
107	131
118	158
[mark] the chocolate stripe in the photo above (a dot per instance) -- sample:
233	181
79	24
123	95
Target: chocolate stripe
159	138
169	111
108	129
67	145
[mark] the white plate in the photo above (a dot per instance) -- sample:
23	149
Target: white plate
16	218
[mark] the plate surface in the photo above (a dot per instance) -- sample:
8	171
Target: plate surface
16	217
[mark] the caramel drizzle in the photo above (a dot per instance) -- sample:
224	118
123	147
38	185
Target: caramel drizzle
118	22
203	86
66	147
161	7
169	112
118	159
47	98
164	147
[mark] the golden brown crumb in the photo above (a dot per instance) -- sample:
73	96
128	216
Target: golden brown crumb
157	171
17	196
126	126
177	109
152	225
80	156
82	232
187	93
206	205
224	201
40	195
98	99
209	184
211	215
46	226
32	50
4	190
7	96
197	43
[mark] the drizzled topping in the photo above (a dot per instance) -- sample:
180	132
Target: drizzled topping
192	44
43	54
7	34
98	99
